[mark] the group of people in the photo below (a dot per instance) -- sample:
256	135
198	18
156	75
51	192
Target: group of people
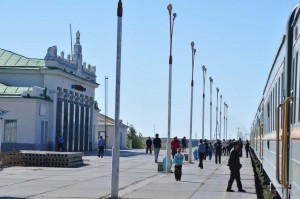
233	149
156	143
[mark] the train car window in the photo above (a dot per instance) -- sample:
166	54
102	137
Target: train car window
292	90
275	98
295	87
273	108
279	97
282	87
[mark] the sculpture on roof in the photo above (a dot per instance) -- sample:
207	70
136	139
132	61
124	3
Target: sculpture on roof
77	37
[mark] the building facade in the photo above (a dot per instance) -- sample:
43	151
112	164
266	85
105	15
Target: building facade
106	129
41	99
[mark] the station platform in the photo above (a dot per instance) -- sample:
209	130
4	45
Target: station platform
138	178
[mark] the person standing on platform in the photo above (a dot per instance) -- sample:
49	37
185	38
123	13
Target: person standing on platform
201	153
247	148
210	150
157	146
241	147
174	146
218	151
149	145
178	160
235	166
101	145
60	143
183	144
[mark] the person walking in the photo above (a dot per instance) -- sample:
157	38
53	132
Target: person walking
60	143
149	145
201	153
101	145
218	151
183	144
210	150
178	160
174	146
247	148
235	166
157	146
241	147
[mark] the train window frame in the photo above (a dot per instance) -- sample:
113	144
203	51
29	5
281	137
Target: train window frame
279	93
295	89
292	90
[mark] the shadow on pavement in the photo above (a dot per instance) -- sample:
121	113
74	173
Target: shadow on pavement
108	152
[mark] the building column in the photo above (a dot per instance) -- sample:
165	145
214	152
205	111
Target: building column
71	121
59	114
77	123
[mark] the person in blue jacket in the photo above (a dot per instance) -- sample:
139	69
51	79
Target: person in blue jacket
178	160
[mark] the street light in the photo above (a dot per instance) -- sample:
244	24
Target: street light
217	114
211	81
204	74
224	120
220	116
106	99
116	144
192	91
170	88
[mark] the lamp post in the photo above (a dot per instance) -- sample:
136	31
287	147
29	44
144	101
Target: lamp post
220	116
217	114
224	120
211	81
106	99
116	144
192	91
204	74
170	88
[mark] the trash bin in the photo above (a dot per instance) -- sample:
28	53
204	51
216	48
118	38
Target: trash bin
160	166
186	157
195	153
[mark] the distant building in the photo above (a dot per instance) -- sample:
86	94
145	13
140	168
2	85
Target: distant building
41	99
110	131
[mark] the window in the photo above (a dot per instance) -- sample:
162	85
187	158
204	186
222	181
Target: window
10	130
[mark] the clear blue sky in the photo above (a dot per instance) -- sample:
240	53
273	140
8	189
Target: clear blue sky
236	40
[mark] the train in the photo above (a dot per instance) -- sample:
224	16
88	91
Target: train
275	131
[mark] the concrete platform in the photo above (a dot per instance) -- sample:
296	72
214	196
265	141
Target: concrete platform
138	178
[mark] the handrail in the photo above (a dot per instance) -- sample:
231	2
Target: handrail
284	141
277	142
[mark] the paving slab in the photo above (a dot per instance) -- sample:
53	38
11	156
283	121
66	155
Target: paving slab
138	178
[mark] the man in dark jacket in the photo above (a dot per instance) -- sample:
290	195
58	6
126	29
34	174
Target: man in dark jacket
157	146
149	145
235	166
218	151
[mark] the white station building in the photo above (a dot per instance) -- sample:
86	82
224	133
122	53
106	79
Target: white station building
41	99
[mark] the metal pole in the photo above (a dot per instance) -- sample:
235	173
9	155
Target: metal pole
106	97
204	74
116	146
220	116
211	81
224	120
168	166
191	115
217	113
